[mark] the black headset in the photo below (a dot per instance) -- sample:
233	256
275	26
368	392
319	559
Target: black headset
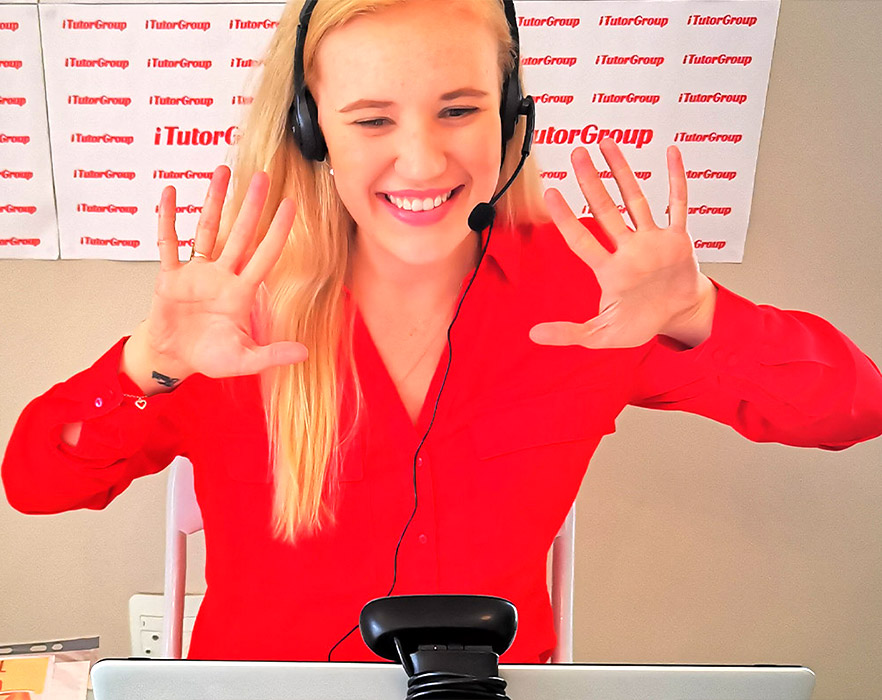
304	112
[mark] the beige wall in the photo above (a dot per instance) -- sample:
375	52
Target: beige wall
694	544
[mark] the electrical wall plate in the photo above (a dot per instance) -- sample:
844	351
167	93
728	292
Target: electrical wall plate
145	622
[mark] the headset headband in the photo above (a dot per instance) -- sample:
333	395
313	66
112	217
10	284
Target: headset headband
304	111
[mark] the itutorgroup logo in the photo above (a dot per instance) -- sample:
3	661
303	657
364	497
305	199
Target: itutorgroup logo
638	21
15	65
717	97
99	100
102	138
19	241
181	24
253	24
633	60
15	101
16	174
93	24
176	136
705	210
571	22
128	243
721	21
104	174
711	174
73	62
691	59
184	100
554	99
182	175
204	64
591	133
639	174
568	61
629	98
15	138
239	62
711	137
9	26
106	209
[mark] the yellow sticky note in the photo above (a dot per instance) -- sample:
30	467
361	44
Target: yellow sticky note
23	673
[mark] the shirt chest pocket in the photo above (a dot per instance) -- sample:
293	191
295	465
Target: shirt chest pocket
549	419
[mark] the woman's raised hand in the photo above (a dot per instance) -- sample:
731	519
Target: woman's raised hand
650	284
201	315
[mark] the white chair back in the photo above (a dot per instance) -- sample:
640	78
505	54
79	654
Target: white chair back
183	518
563	579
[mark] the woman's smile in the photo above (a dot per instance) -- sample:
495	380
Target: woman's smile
420	208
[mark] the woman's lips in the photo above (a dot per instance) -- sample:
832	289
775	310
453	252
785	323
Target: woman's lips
420	218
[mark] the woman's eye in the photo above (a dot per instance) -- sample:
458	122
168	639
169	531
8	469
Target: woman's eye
451	112
373	123
458	112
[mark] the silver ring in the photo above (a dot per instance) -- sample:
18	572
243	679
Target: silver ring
196	254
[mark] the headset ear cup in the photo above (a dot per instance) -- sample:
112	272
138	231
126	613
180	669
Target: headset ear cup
307	133
511	101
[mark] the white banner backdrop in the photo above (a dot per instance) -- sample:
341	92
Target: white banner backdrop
27	209
141	96
651	74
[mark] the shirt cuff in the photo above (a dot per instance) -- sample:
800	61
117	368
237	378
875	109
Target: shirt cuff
104	399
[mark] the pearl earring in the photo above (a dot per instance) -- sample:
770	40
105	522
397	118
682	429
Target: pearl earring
331	170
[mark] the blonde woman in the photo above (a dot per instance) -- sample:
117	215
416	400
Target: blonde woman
298	359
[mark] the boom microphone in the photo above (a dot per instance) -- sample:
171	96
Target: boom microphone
483	214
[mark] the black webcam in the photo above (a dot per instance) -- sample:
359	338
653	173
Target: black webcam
449	645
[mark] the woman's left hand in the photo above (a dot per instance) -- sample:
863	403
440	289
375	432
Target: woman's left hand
650	284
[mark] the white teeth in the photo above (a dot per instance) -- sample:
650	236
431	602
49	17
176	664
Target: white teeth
419	204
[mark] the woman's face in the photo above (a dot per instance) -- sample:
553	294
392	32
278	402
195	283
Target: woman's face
408	102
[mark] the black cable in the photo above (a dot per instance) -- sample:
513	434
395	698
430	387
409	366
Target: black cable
435	411
426	434
443	685
440	685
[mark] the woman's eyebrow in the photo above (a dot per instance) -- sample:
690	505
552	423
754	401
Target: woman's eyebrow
463	92
382	104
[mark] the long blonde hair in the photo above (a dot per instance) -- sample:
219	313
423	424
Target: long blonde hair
304	299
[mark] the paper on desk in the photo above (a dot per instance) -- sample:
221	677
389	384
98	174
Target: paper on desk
25	675
28	672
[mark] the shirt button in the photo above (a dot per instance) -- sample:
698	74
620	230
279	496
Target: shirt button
419	461
99	402
423	539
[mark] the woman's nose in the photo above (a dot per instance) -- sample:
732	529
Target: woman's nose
421	154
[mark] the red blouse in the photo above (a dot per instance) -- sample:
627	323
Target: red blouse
516	426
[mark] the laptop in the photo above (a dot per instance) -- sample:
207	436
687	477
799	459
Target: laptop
154	679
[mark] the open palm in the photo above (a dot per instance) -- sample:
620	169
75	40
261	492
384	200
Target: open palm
650	283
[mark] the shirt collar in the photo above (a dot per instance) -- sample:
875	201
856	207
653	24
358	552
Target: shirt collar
505	251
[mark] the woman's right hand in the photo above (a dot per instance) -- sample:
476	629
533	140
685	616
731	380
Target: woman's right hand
201	315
